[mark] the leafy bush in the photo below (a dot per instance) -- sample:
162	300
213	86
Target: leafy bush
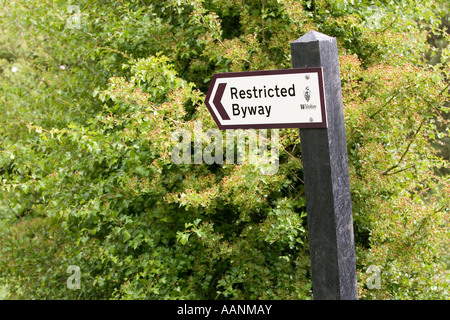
90	100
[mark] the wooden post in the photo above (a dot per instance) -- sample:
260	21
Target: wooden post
326	176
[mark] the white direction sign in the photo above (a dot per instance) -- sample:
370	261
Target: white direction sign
291	98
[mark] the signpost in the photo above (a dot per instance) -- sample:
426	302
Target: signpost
292	98
308	97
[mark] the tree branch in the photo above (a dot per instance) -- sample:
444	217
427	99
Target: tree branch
386	172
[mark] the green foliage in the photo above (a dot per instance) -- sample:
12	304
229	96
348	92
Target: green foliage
89	102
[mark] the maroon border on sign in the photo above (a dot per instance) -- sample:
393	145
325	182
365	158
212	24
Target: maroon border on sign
301	125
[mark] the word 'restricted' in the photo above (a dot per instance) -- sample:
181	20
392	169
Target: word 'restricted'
257	93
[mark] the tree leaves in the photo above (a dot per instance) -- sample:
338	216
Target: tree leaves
86	172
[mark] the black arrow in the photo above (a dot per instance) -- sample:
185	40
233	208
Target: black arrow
217	101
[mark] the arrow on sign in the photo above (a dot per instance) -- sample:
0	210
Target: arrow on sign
292	98
217	101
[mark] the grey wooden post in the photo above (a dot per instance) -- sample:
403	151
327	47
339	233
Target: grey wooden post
326	176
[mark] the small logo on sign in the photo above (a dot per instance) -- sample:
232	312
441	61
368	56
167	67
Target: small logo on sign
307	94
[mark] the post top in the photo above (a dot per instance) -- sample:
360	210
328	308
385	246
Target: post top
314	36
